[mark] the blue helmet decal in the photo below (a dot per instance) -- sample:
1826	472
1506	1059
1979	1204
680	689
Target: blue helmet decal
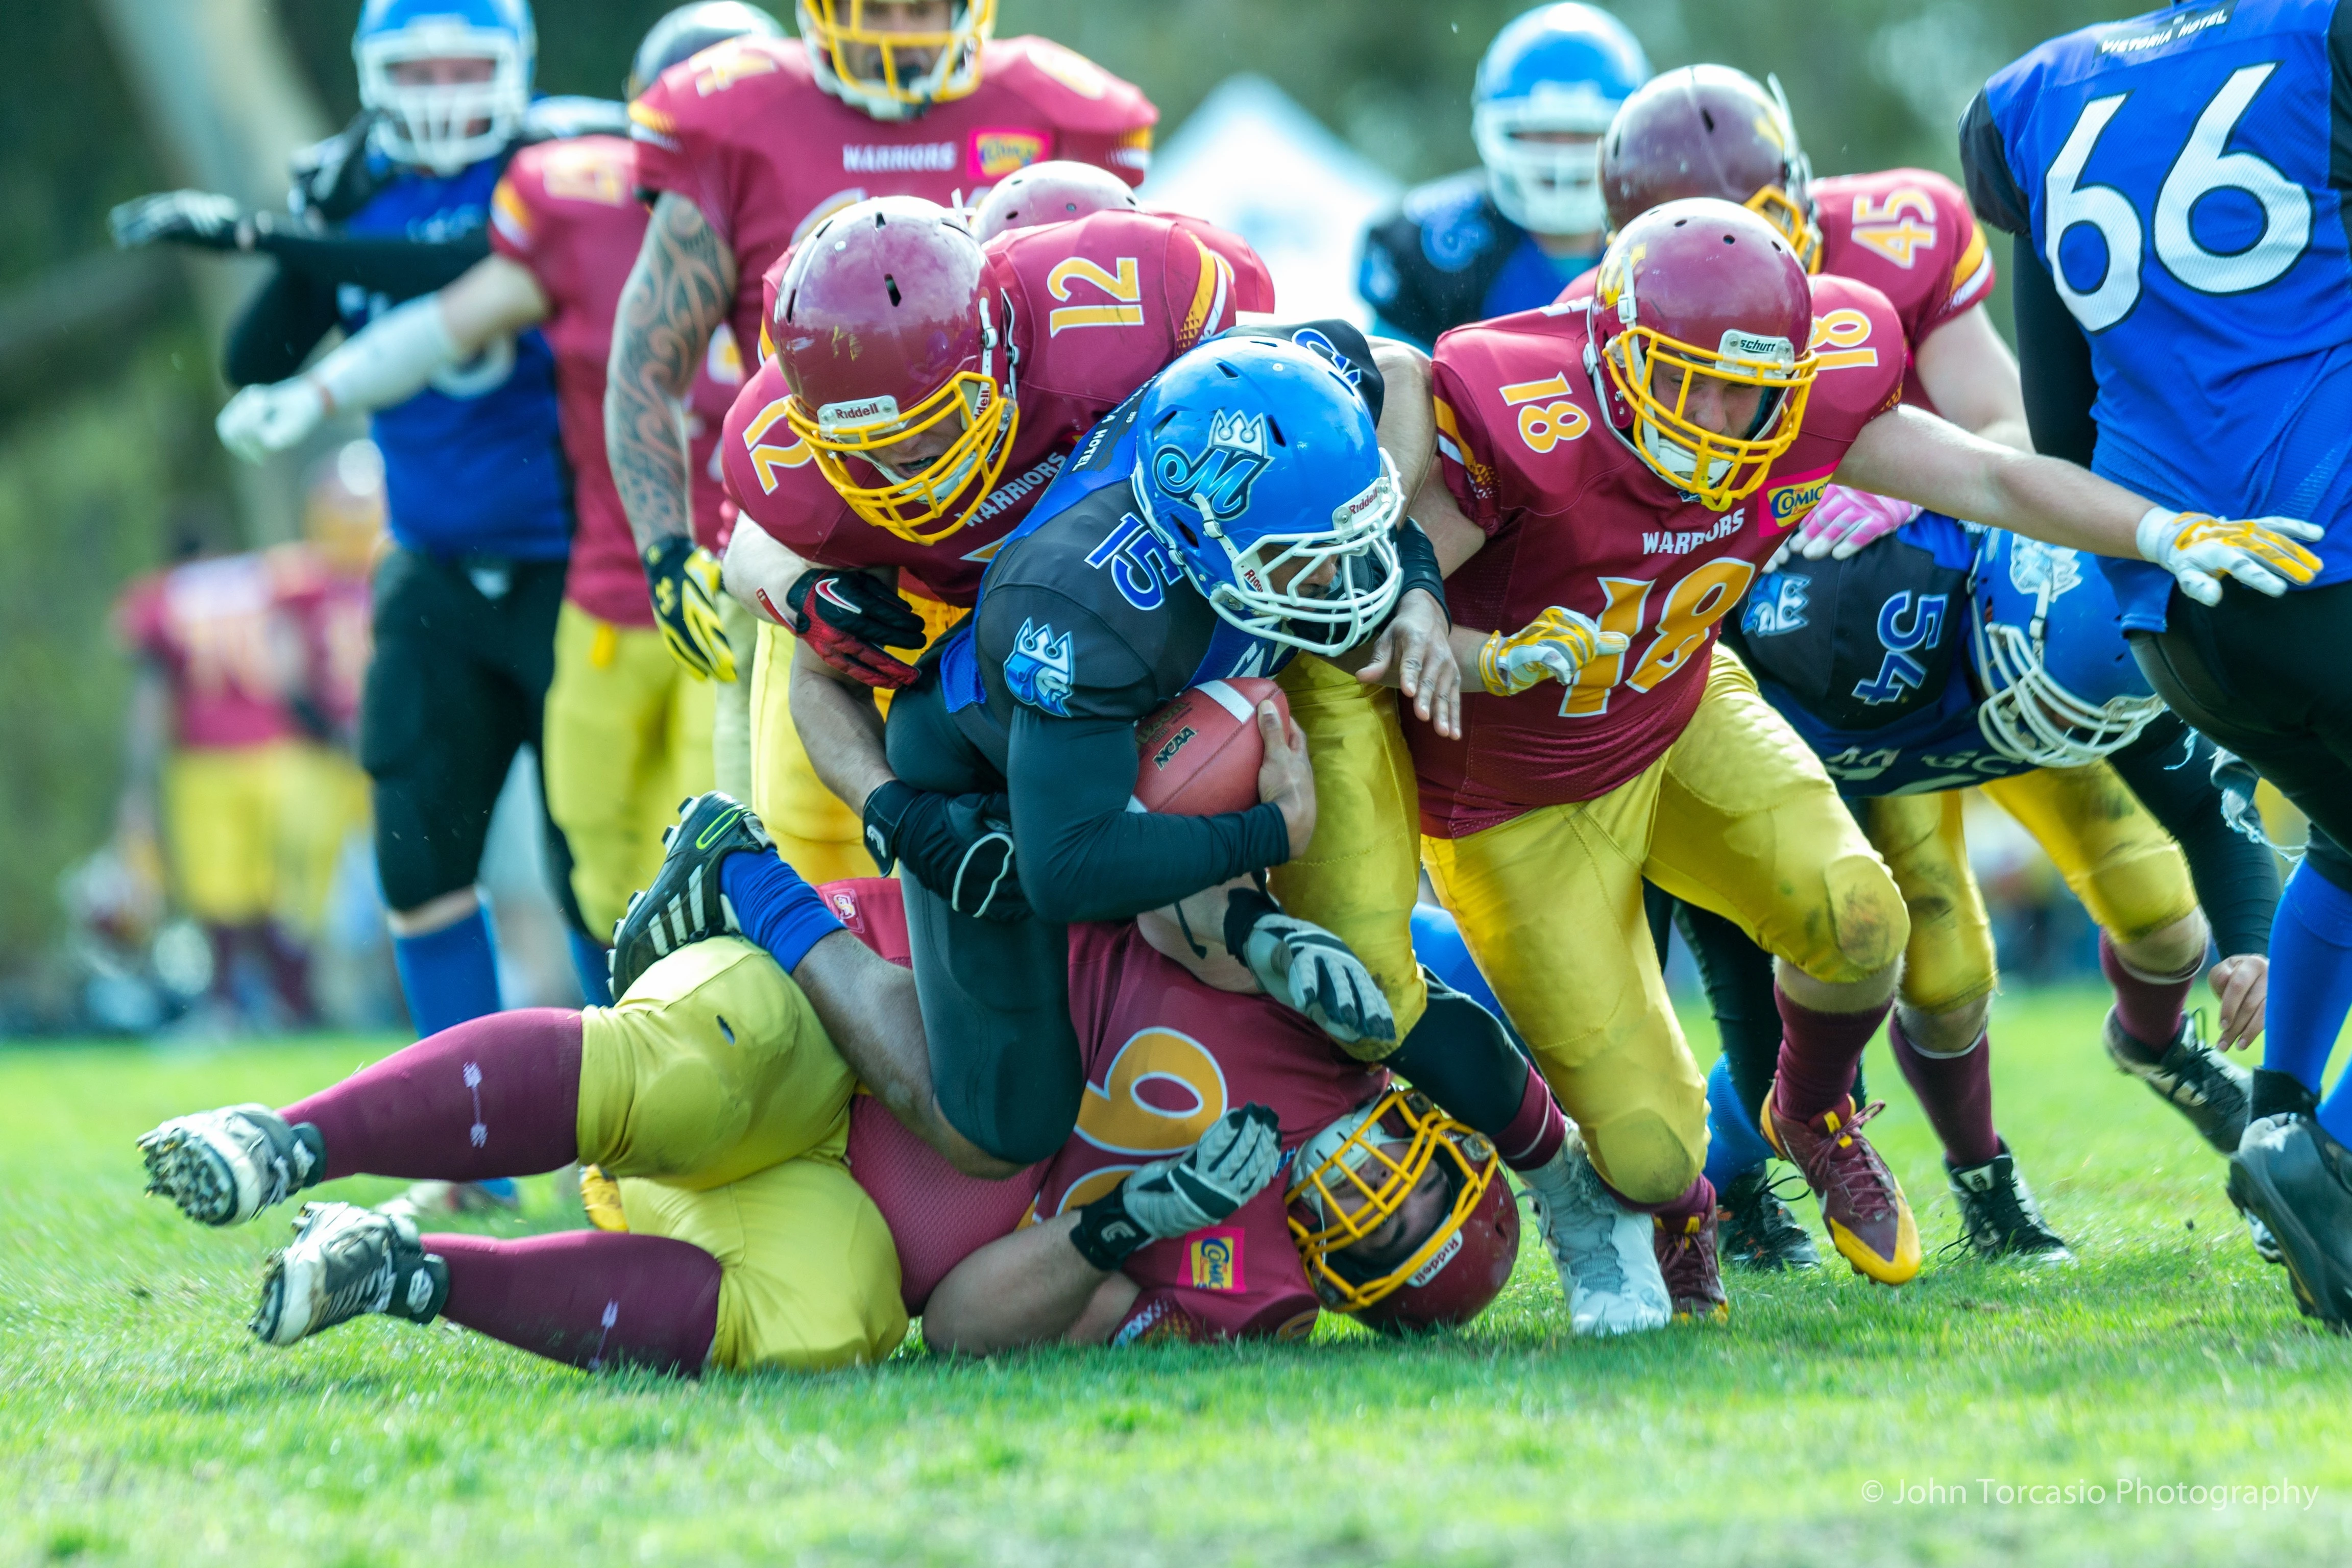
1216	479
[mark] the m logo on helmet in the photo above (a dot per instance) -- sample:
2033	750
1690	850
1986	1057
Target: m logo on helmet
1041	669
1217	482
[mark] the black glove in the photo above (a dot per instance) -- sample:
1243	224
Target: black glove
186	217
847	619
958	846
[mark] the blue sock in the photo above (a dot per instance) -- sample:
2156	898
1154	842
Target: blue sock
450	975
1734	1144
776	909
588	963
1437	942
2311	979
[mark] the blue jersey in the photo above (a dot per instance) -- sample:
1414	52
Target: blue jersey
474	464
1448	257
2173	172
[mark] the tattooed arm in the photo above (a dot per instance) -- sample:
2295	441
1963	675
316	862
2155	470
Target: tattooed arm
677	293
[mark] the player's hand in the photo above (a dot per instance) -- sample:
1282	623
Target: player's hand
958	846
847	619
261	420
1843	522
186	217
1558	643
1232	1163
2242	983
1308	969
684	580
1286	776
1415	645
2198	549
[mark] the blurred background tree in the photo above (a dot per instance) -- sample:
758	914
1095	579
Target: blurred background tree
108	382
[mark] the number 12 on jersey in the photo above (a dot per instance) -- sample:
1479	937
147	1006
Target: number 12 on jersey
1690	607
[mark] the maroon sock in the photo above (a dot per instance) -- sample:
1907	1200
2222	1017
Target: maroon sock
290	973
2148	1010
1956	1092
1819	1054
1697	1198
591	1298
1537	1129
494	1097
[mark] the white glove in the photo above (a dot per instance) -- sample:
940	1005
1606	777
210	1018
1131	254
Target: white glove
1312	972
261	420
2198	549
1231	1164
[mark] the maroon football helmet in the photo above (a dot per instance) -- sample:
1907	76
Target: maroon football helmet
1710	131
1692	292
888	329
1055	192
1355	1179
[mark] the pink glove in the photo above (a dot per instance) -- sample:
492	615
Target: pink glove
1842	522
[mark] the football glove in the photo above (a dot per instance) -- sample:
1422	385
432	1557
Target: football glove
958	846
847	619
185	217
1308	969
1232	1163
261	420
2198	549
1557	643
684	578
1843	522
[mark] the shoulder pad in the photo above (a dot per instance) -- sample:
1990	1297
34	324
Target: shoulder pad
1069	90
560	119
334	178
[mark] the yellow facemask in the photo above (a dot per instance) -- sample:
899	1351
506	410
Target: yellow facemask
1351	1159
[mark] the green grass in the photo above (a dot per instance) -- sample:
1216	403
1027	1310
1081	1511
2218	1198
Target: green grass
138	1420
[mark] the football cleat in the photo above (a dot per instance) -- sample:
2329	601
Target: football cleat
222	1167
1757	1231
2295	1179
1686	1261
1999	1217
346	1260
1606	1263
1862	1203
686	903
2192	1077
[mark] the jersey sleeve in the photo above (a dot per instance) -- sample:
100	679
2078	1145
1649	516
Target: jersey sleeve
770	473
1203	286
1253	285
1389	279
1465	450
1993	190
1097	116
139	618
1969	280
686	124
1061	658
517	221
1864	352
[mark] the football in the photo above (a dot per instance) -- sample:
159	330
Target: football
1199	755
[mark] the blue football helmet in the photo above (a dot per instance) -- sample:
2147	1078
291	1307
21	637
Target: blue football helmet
446	126
1257	466
1557	69
2060	686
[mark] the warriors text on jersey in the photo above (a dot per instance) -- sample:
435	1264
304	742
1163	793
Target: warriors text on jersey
569	212
743	132
1574	518
1909	233
1448	257
1096	307
2180	174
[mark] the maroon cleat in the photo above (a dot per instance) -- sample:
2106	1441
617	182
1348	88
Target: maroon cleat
1862	1203
1685	1246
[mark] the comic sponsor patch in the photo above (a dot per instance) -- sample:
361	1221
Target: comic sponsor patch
1214	1258
998	151
1785	503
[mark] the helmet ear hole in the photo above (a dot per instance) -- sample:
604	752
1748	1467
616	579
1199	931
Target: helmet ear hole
1276	430
891	284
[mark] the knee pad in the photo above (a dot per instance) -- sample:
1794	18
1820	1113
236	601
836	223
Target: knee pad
1869	923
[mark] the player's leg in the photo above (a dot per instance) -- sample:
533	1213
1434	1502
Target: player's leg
731	727
818	836
1750	826
221	838
2132	877
608	766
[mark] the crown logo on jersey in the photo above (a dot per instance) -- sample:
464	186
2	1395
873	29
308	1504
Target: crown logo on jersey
1238	433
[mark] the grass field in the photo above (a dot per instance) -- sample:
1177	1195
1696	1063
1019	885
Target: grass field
138	1420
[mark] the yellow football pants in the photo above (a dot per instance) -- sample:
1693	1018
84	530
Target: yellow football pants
1737	817
627	737
731	723
818	836
712	1095
2123	865
1360	875
225	842
323	801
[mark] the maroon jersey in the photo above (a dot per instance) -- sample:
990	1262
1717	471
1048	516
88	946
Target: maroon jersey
743	132
569	212
1574	518
1099	305
220	631
332	614
1909	233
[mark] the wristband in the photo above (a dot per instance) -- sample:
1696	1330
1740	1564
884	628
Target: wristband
1417	567
1245	907
1105	1236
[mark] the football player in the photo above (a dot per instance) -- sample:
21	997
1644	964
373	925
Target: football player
1509	237
1948	656
2181	260
742	152
627	730
1686	411
1057	191
753	1211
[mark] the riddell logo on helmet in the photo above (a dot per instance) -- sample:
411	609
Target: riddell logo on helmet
1740	345
865	411
1436	1266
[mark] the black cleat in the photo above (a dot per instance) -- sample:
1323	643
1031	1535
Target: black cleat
2295	1179
1999	1217
1757	1231
684	904
2192	1077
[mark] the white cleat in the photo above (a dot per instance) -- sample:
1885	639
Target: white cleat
1606	1263
346	1260
222	1167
